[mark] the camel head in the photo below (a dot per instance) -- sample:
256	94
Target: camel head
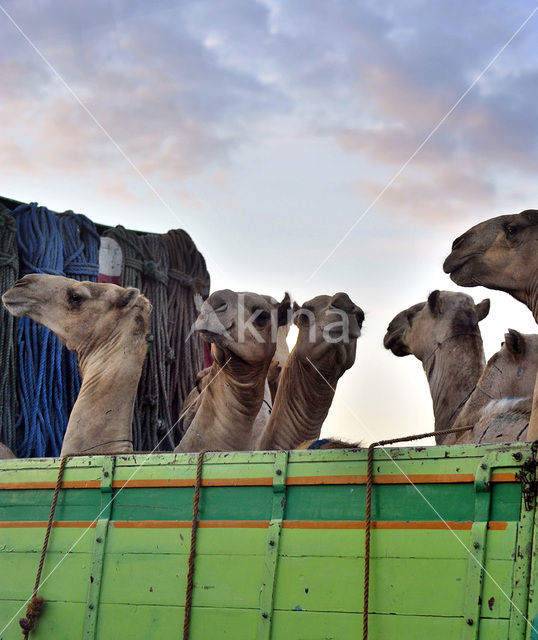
82	314
499	253
328	330
425	326
511	372
242	324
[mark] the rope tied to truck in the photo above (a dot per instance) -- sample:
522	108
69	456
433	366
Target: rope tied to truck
35	605
192	552
368	508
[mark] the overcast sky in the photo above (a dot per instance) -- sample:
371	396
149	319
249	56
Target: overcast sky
267	129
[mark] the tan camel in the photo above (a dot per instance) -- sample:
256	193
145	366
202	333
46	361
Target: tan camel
501	253
326	345
106	326
6	453
242	329
193	400
443	333
500	406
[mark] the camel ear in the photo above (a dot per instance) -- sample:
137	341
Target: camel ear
127	298
434	302
284	310
482	309
515	343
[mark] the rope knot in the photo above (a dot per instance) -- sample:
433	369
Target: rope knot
149	269
33	611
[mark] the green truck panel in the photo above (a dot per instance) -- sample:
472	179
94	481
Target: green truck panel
280	545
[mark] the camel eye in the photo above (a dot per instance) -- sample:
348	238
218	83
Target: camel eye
75	299
510	231
262	318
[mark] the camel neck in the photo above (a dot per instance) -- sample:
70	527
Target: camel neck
531	295
302	402
453	371
101	419
229	405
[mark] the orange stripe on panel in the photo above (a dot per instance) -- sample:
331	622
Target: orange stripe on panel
36	524
186	524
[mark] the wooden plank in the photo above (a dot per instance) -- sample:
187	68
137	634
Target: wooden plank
69	575
226	581
30	540
335	584
59	620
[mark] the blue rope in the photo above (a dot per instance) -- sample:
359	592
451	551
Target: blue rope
48	381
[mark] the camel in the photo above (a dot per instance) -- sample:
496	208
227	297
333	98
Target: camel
329	327
106	325
443	333
6	453
501	253
193	400
242	329
500	406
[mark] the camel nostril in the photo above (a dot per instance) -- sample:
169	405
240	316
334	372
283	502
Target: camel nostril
457	243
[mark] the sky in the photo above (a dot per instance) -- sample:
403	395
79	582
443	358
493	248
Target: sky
309	146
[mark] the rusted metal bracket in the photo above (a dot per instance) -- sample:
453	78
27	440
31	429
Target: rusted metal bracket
273	544
96	567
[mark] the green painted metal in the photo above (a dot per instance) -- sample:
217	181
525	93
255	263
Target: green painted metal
267	590
98	555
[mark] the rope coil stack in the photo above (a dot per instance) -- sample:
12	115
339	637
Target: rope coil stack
172	274
188	285
9	271
146	268
48	384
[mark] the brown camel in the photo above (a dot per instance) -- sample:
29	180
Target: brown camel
443	334
6	453
193	400
500	406
328	330
242	329
501	253
106	325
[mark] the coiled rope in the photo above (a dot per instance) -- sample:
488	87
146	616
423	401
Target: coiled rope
81	262
9	272
47	384
368	510
145	266
188	285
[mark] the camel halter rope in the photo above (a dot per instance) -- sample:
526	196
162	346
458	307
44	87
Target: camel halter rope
33	610
368	515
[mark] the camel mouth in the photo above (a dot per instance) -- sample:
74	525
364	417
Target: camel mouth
455	262
16	306
393	342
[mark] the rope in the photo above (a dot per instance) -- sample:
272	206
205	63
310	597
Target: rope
192	552
43	416
35	605
9	271
368	509
81	262
146	267
188	284
48	381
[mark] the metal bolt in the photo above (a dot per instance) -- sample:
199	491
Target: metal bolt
90	606
476	545
517	456
106	474
483	466
470	622
279	472
265	615
271	543
99	539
